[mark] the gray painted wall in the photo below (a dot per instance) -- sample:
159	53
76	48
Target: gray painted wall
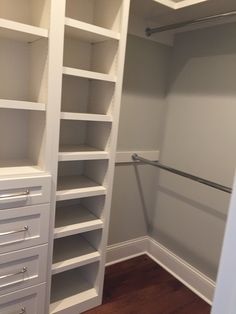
140	123
192	120
200	138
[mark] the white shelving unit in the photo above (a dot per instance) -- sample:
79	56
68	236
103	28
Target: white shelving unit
88	100
23	91
61	76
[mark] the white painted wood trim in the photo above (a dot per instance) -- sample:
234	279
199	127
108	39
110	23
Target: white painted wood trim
183	271
192	278
225	294
123	251
174	5
23	28
86	117
23	105
92	29
126	156
89	74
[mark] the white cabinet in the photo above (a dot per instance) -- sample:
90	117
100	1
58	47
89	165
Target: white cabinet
21	269
24	227
30	300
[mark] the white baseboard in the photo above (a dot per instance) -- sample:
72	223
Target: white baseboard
126	250
196	281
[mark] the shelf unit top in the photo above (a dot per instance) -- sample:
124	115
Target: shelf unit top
71	187
89	74
21	32
81	152
75	219
88	32
21	105
72	252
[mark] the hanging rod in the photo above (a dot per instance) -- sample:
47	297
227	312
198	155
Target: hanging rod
214	185
150	31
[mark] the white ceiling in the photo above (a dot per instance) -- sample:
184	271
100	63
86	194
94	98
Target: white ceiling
151	10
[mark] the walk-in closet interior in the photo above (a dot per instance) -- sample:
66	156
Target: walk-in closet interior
117	139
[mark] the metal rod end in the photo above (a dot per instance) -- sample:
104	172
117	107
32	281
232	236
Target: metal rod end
134	156
148	31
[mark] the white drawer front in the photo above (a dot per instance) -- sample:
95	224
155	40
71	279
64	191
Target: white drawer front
21	269
23	227
27	301
24	191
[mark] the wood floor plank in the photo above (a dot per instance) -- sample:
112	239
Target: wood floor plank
140	286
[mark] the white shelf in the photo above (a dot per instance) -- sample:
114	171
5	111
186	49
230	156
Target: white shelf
21	32
71	187
22	105
88	32
81	152
73	220
18	167
86	117
72	252
77	293
89	74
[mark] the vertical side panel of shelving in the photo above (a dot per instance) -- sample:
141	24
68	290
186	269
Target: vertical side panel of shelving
55	60
124	7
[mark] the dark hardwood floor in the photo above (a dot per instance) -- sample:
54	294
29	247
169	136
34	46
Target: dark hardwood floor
140	286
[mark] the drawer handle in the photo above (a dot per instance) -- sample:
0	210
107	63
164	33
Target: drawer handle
22	271
13	195
26	228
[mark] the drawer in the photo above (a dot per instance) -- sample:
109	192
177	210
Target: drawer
24	190
21	269
27	301
23	227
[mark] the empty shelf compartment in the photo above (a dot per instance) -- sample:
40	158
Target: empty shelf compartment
75	251
81	179
81	140
31	13
102	13
81	58
74	218
23	73
20	150
81	95
80	289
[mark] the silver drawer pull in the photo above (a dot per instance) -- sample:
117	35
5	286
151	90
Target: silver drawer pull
22	271
26	228
13	195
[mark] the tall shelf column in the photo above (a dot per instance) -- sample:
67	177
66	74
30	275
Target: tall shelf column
83	141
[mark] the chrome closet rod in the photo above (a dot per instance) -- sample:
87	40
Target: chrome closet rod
149	31
214	185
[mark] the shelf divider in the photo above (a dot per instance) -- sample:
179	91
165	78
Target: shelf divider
89	74
86	117
88	32
20	31
21	105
